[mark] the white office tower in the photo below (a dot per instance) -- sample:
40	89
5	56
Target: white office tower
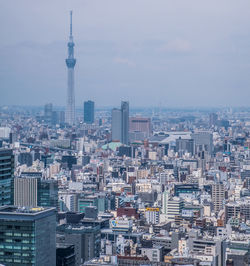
171	207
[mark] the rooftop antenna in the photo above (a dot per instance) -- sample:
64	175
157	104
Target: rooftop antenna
71	12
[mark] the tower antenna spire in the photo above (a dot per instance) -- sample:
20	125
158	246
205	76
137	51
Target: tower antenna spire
70	62
71	22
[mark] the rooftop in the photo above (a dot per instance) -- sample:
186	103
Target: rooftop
25	213
22	210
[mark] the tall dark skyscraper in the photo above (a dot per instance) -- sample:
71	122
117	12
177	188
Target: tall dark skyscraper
6	176
70	62
125	122
89	112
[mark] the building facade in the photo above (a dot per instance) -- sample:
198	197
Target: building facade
116	125
218	196
120	123
125	122
89	112
34	191
28	236
139	128
85	239
203	141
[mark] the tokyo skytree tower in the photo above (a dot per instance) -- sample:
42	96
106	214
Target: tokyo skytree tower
70	62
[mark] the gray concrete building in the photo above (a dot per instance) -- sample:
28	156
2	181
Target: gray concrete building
125	122
203	141
116	125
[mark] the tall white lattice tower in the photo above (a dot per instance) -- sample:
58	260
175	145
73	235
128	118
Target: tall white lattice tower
70	62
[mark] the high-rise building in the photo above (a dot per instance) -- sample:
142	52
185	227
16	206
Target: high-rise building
139	128
140	124
116	125
89	112
48	193
6	176
120	123
171	207
86	240
125	122
218	196
28	236
70	62
203	141
31	190
26	191
184	145
48	109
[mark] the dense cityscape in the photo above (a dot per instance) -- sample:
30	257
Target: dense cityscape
91	185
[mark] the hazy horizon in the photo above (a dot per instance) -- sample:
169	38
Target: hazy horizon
151	53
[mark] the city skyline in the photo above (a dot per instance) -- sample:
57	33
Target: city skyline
168	57
128	144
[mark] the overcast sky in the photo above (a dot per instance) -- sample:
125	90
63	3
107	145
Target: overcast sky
171	53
